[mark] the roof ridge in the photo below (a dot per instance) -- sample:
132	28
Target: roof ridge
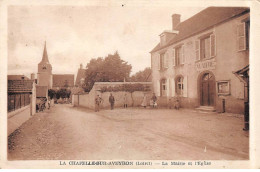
207	18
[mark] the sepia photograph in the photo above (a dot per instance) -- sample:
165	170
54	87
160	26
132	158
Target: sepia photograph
128	86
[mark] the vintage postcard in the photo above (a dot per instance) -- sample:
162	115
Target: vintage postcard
129	84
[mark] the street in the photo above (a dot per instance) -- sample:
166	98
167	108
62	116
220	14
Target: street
65	133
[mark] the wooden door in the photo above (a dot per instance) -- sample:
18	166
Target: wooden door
207	90
205	93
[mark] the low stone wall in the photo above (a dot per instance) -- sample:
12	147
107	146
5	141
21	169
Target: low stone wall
133	99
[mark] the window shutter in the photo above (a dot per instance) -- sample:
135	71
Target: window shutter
212	45
241	36
173	87
158	88
158	62
185	87
166	60
173	57
168	88
197	49
183	56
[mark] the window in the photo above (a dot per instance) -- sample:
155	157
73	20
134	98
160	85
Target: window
205	48
163	61
179	85
163	87
178	56
243	35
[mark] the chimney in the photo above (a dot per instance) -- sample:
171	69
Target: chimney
32	76
81	66
176	19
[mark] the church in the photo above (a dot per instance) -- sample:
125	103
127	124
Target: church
47	80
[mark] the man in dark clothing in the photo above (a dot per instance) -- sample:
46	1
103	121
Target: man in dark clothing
111	101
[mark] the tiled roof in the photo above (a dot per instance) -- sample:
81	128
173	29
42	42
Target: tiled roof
17	77
203	20
41	91
62	80
20	86
80	74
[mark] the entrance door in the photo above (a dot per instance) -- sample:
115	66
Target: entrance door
208	90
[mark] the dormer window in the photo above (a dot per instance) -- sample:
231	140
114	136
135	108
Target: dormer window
166	36
163	39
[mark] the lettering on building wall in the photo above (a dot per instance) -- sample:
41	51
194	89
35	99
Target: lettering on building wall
206	65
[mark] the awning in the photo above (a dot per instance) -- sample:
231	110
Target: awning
243	74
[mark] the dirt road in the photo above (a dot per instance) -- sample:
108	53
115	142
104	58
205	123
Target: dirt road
65	132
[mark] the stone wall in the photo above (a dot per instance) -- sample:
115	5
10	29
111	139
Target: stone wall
87	100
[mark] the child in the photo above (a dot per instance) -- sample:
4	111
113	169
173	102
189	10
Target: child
170	103
177	104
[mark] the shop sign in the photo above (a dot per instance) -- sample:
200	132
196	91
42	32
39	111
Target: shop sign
206	65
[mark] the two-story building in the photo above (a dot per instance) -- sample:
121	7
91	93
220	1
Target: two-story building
197	60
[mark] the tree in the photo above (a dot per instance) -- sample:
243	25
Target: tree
51	93
142	76
64	93
110	69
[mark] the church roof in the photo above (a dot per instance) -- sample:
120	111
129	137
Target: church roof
63	80
45	55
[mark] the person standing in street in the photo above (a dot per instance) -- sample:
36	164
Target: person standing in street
49	103
111	101
144	103
125	101
98	101
154	99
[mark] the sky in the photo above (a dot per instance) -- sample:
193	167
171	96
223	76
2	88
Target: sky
75	34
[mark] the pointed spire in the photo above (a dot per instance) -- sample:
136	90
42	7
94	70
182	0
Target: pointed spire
45	55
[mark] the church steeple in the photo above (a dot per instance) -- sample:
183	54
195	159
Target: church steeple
44	65
45	55
44	70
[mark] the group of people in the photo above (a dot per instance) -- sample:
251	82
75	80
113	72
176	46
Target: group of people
99	100
153	101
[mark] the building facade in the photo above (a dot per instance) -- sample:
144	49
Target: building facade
196	60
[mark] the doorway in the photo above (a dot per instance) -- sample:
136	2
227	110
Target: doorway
208	90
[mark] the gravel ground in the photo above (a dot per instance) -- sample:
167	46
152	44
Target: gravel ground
65	132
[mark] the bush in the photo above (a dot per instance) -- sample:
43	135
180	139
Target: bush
126	87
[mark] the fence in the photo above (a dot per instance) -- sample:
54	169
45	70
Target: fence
18	100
